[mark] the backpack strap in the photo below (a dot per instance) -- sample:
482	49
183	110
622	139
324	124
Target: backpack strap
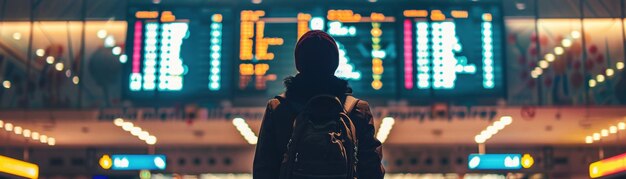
350	103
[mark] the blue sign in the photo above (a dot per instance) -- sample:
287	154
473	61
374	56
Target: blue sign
494	161
138	162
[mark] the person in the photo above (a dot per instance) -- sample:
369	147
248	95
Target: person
316	59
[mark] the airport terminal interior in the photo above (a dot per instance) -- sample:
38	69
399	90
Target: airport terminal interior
177	89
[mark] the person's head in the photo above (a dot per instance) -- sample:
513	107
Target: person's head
316	54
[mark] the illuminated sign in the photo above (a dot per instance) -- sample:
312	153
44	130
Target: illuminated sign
136	162
343	16
452	52
216	51
494	161
105	162
146	14
250	20
254	63
18	167
527	161
303	23
415	13
459	14
163	53
608	166
365	41
377	55
166	54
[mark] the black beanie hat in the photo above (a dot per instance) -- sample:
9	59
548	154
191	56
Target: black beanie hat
316	54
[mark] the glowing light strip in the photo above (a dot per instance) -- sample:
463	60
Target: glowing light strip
135	130
135	77
415	13
137	46
303	23
493	129
245	130
146	14
150	55
551	57
18	167
27	133
423	55
609	72
171	65
444	62
385	129
605	132
377	56
459	14
608	166
488	75
216	48
408	55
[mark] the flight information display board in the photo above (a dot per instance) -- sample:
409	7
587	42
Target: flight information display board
366	42
206	52
178	52
452	52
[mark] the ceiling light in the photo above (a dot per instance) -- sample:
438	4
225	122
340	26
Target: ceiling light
144	135
35	135
43	139
385	128
575	34
118	122
51	141
17	130
493	129
26	133
588	139
127	126
8	127
245	130
613	129
151	140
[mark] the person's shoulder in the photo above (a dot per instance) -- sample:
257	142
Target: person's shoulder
362	104
273	103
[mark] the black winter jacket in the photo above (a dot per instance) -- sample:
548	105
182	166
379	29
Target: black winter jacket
278	120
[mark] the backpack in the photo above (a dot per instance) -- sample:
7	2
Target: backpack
323	143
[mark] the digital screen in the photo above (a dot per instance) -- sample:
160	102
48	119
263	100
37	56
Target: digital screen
365	40
452	52
494	161
181	52
138	162
427	53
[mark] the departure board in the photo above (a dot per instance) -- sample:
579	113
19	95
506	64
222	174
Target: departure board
420	53
179	52
450	52
365	40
